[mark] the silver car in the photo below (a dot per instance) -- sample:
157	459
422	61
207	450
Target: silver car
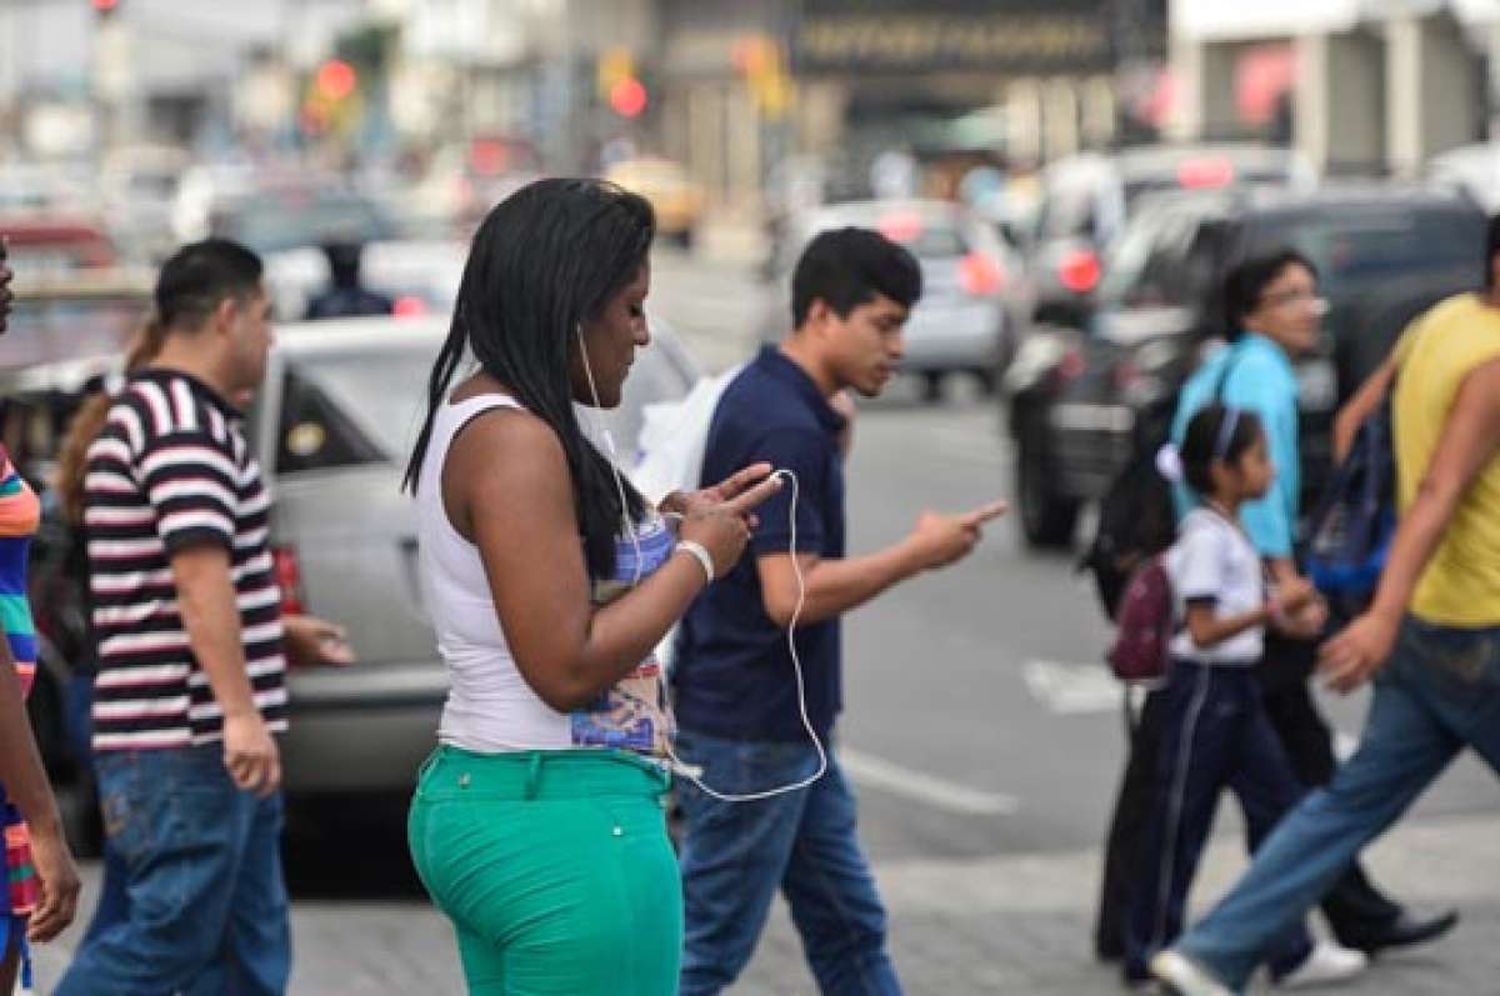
963	323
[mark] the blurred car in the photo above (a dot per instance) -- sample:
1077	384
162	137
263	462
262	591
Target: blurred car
47	245
37	188
278	217
139	186
676	199
1075	399
332	428
1087	200
460	183
1471	169
289	224
964	322
73	298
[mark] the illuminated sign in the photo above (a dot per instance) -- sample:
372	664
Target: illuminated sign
875	35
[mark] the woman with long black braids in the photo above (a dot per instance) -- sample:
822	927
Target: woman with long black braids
537	824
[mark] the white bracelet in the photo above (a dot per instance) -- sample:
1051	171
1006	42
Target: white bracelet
700	554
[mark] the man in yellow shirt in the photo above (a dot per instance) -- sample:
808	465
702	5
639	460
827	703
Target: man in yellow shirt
1431	639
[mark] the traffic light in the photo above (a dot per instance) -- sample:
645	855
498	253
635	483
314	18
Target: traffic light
332	98
336	80
628	98
619	85
105	8
761	60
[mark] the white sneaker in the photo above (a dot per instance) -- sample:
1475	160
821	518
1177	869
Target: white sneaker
1328	962
1185	978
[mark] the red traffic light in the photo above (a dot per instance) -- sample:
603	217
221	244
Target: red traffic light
628	97
336	79
105	6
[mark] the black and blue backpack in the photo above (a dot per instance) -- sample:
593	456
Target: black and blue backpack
1349	535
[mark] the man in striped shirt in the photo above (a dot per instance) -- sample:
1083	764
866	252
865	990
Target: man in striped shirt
187	617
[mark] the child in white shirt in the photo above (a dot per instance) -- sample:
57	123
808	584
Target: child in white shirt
1215	732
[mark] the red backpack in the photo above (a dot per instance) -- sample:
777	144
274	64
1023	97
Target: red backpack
1144	625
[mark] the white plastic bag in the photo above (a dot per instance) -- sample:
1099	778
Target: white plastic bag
673	437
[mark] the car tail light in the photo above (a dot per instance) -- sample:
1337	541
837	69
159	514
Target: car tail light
409	306
1205	173
288	573
980	275
1079	271
1072	365
902	226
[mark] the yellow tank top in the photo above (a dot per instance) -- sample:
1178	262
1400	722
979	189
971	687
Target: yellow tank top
1461	585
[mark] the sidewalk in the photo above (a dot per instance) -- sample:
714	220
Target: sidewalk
1024	924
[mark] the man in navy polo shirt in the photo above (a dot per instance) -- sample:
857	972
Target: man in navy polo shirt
736	688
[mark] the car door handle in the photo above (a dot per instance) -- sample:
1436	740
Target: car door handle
409	569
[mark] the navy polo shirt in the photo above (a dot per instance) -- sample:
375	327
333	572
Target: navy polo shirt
732	672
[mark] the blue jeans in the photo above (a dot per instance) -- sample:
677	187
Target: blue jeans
1439	692
736	856
207	905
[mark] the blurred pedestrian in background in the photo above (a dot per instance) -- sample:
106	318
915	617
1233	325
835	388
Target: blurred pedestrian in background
346	295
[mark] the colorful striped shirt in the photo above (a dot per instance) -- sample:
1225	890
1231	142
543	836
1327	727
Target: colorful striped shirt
20	513
170	470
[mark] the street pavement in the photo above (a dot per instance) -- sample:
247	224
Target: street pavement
981	732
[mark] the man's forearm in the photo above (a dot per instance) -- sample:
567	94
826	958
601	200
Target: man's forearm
212	620
1417	537
837	586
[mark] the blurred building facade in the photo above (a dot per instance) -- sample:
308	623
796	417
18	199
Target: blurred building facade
1357	85
78	75
734	90
750	86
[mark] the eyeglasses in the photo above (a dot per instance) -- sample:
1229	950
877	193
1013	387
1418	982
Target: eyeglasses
1298	296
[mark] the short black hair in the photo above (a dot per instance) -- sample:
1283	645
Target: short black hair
847	267
1246	283
1204	445
1492	249
197	278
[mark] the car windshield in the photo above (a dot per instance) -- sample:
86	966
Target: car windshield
1355	247
345	407
1067	212
1128	258
926	235
293	220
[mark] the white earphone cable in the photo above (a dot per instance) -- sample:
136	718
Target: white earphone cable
680	767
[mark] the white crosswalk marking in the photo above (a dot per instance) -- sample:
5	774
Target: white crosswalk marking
1072	689
918	786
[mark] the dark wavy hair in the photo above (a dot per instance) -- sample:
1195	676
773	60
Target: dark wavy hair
545	259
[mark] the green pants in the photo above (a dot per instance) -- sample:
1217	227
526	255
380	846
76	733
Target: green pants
555	868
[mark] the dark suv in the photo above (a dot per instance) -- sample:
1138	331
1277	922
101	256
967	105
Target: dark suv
1075	399
1088	200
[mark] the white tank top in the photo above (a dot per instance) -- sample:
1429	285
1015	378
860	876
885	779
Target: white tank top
490	707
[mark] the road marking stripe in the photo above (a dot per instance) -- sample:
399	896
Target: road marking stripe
919	786
1073	689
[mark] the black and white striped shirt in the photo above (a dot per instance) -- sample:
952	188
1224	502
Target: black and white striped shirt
172	469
